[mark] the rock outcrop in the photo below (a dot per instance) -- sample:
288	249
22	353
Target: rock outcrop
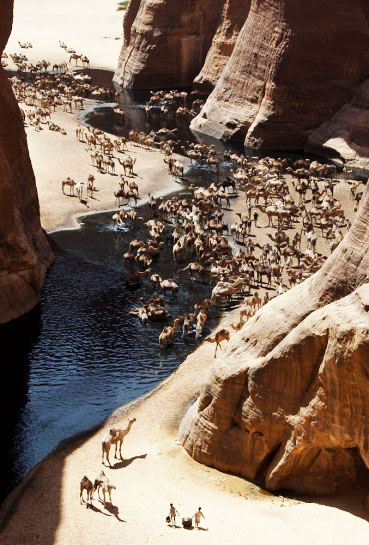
346	134
280	68
287	401
24	251
165	42
294	64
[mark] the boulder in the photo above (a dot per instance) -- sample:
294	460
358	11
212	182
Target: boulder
25	254
286	403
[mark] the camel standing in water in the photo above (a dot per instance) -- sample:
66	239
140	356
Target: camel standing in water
222	335
115	437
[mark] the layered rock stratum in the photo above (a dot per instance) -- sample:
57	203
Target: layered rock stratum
25	254
278	69
286	402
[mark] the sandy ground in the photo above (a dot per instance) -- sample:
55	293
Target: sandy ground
91	27
55	156
45	508
154	472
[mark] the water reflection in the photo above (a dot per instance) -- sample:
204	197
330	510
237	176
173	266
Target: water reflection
81	355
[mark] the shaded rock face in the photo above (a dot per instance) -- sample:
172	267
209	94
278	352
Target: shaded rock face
294	64
287	401
346	134
232	19
24	251
166	42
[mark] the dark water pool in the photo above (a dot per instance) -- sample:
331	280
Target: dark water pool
81	355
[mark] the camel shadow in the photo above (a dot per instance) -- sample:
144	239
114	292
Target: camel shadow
126	463
97	510
114	510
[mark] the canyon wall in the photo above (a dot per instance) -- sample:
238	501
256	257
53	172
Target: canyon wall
231	21
286	402
25	254
165	42
279	69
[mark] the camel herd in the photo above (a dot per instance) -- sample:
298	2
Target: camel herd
229	258
289	204
102	482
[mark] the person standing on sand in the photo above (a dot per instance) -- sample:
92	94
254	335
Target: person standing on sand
197	516
172	513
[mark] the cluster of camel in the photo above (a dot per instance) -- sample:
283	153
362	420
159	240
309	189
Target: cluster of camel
102	482
295	197
179	105
74	56
51	87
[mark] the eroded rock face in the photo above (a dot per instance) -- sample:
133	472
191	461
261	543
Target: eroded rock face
24	251
287	401
294	64
281	68
232	19
166	42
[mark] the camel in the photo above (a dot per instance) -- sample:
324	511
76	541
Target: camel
87	485
239	326
200	322
69	182
114	437
85	61
222	335
74	57
79	189
227	289
102	483
120	435
169	285
246	312
193	268
128	165
167	335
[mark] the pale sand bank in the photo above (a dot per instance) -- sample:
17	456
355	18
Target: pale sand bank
88	26
54	157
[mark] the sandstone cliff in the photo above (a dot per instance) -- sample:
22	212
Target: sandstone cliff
165	42
232	19
287	401
24	251
294	64
280	68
